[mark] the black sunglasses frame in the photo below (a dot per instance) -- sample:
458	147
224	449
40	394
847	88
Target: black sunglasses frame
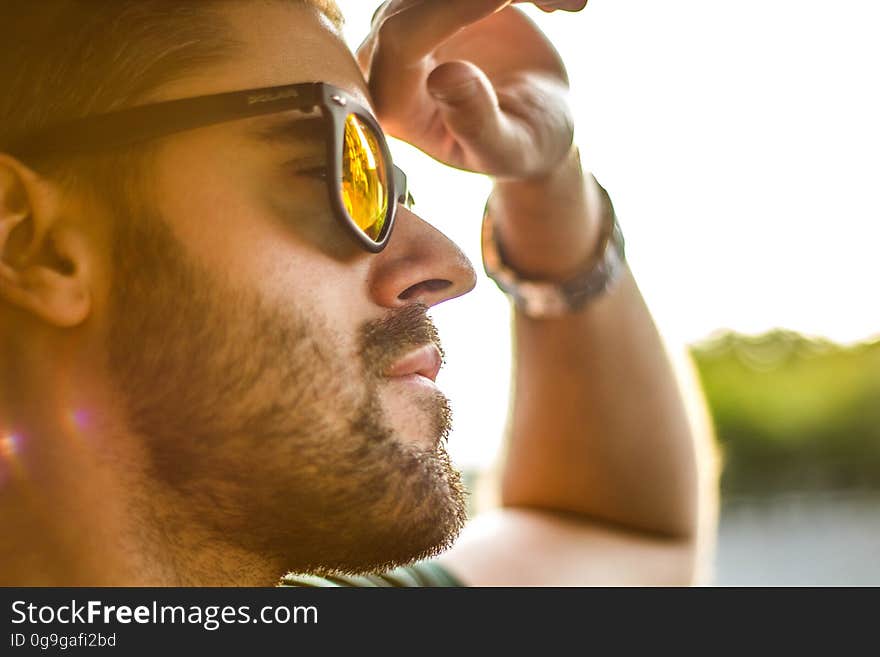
145	122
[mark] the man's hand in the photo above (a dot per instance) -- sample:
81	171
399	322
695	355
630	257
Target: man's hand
473	83
476	85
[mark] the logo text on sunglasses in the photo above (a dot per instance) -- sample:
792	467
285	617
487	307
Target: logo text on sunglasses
270	96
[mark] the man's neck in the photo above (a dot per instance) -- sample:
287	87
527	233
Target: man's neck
100	538
77	510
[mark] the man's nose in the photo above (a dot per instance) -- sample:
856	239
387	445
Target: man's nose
419	265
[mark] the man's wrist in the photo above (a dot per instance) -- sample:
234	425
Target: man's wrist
550	225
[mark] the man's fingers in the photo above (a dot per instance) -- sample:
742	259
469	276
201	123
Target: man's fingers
512	130
413	29
510	125
467	101
468	105
555	5
394	57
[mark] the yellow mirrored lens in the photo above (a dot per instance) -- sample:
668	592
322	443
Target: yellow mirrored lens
364	178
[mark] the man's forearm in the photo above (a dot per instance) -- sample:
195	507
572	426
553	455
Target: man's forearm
598	425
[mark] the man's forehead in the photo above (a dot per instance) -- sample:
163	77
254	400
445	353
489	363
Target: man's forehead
277	43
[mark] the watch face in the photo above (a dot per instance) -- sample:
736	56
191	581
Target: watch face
542	299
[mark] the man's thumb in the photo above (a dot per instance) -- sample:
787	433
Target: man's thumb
468	103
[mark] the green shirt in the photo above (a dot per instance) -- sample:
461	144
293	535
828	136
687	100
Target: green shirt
423	573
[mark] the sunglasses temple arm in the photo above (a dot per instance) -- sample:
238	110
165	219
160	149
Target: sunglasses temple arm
401	190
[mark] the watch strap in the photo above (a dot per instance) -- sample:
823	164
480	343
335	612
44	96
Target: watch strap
543	299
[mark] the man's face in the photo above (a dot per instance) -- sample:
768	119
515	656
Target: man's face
250	337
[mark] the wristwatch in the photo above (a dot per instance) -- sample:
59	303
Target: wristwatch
541	299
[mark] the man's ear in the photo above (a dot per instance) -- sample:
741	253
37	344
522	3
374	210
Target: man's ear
43	258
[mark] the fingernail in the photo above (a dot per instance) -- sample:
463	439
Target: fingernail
458	93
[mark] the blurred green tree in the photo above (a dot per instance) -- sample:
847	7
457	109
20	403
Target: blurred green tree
793	413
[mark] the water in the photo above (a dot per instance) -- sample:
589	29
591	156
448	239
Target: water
791	540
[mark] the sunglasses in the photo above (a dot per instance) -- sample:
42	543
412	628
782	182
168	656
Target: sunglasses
364	185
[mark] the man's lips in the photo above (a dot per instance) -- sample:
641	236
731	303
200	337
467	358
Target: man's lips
425	360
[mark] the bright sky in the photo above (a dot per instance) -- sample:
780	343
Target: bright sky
740	142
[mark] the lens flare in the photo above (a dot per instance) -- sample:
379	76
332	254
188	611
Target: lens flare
10	444
10	447
81	419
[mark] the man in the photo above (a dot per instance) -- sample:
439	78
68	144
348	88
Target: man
215	372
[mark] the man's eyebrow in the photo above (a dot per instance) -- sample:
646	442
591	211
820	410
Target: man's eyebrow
292	131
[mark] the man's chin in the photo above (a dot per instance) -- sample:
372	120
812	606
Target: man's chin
417	411
399	547
421	517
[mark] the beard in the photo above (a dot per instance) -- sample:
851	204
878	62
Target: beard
267	433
